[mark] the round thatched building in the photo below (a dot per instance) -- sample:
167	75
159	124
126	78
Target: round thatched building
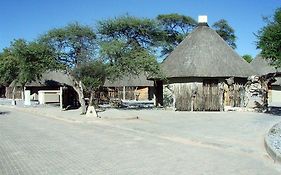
203	73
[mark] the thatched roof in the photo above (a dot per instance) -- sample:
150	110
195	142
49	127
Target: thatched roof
129	80
203	53
51	79
262	67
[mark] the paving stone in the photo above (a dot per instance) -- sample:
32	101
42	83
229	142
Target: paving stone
31	144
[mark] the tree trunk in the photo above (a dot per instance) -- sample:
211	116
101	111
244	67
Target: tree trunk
91	111
79	89
91	99
13	95
22	93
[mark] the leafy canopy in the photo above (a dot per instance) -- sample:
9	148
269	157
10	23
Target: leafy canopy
92	74
73	44
25	62
269	39
175	28
136	32
8	67
128	45
123	60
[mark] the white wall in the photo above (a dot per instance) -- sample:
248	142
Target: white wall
275	96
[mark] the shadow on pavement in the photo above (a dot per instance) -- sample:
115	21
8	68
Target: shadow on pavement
274	110
4	112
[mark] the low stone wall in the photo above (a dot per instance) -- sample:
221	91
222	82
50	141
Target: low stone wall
272	143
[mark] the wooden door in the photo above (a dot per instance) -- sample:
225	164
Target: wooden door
211	95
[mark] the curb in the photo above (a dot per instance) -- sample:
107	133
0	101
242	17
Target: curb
276	156
83	119
43	114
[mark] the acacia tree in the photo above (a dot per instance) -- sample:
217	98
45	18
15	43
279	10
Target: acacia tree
24	62
176	27
226	32
269	39
74	45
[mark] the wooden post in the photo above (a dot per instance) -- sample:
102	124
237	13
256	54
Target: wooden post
136	93
221	96
174	101
124	92
191	104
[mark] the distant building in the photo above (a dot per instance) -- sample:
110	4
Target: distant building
53	87
130	87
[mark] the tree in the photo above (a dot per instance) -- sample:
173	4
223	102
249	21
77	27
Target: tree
74	45
269	39
24	62
128	44
92	74
226	32
247	57
176	27
8	67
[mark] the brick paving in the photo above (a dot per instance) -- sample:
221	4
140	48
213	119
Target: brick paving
35	145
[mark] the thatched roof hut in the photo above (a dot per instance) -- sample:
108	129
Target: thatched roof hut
263	67
203	53
196	73
50	82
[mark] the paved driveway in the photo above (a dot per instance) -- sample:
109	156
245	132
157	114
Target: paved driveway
159	142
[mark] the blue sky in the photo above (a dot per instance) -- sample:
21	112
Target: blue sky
29	18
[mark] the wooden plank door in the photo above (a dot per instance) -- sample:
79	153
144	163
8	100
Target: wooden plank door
211	95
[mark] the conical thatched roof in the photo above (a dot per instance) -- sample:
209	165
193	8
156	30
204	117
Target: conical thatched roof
203	53
129	80
262	67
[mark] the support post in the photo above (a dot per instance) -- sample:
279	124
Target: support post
61	97
27	97
124	92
